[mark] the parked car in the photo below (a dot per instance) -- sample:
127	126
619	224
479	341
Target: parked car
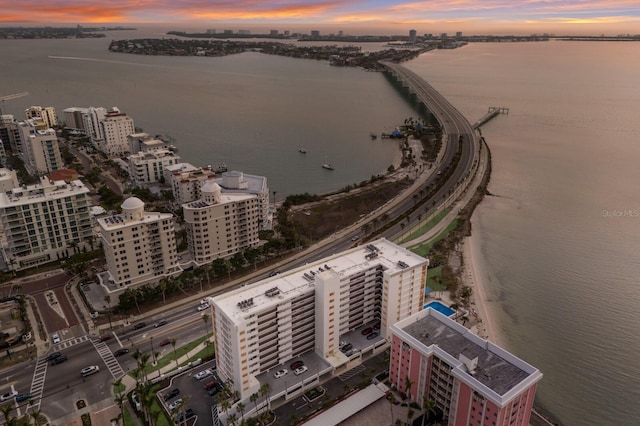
347	347
87	371
214	390
121	351
165	342
210	385
300	370
204	373
139	325
23	397
53	356
9	395
372	336
366	331
188	413
55	337
296	364
160	323
280	373
172	394
58	360
175	404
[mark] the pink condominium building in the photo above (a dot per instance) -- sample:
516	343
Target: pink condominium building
472	381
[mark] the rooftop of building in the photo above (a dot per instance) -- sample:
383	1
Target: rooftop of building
153	155
224	199
28	194
298	281
253	183
119	221
496	369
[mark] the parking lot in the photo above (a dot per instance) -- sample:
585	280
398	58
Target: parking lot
193	390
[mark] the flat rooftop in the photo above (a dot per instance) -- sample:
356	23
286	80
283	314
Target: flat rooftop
493	370
290	284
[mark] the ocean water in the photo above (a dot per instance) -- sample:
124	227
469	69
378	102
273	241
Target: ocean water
558	239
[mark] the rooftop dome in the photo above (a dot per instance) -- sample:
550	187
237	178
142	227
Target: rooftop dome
210	187
132	203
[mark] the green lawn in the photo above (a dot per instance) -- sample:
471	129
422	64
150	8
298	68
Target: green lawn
424	228
434	280
423	249
171	356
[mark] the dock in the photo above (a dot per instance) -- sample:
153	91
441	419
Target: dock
493	112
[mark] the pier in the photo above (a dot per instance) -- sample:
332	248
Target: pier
493	112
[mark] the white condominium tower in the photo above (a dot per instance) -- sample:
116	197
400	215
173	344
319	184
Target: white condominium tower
44	222
39	147
140	247
220	224
311	309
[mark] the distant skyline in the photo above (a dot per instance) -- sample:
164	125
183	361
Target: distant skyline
609	17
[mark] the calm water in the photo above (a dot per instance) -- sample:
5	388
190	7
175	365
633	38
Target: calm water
559	241
250	111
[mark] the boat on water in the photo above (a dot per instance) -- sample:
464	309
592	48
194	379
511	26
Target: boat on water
327	166
302	150
221	168
373	136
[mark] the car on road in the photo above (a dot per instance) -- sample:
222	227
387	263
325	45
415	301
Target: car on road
55	337
203	306
87	371
58	360
280	373
139	325
355	238
366	331
53	356
104	338
23	397
300	370
204	373
296	364
172	394
9	395
372	336
121	351
165	342
160	323
175	404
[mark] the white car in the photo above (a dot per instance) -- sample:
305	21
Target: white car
203	306
204	373
56	338
9	395
280	373
87	371
300	370
175	404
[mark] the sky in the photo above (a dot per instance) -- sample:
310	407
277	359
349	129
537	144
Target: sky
609	17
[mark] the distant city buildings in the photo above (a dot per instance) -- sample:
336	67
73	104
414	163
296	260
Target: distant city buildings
46	115
148	167
44	222
412	36
310	310
38	147
139	246
470	380
73	118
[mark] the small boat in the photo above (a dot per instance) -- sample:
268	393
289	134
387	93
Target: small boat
373	136
327	166
221	168
302	151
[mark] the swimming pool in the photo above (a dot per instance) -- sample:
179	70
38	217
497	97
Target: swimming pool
440	307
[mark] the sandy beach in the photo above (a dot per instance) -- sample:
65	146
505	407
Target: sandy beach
485	325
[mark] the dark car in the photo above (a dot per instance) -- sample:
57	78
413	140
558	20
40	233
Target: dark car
215	390
372	336
210	385
346	348
297	364
160	323
59	360
139	325
121	351
366	331
53	356
104	338
23	397
172	394
165	342
186	415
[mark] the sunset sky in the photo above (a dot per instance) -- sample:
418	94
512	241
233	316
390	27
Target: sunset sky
610	17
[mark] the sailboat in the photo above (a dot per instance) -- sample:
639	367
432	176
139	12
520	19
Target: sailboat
302	150
327	166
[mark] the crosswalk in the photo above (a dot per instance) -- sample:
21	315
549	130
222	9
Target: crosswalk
354	371
110	361
69	343
37	382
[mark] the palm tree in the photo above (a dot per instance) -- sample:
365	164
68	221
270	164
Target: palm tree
173	344
240	409
120	398
427	406
231	420
205	319
6	411
265	390
254	398
162	285
36	415
391	400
